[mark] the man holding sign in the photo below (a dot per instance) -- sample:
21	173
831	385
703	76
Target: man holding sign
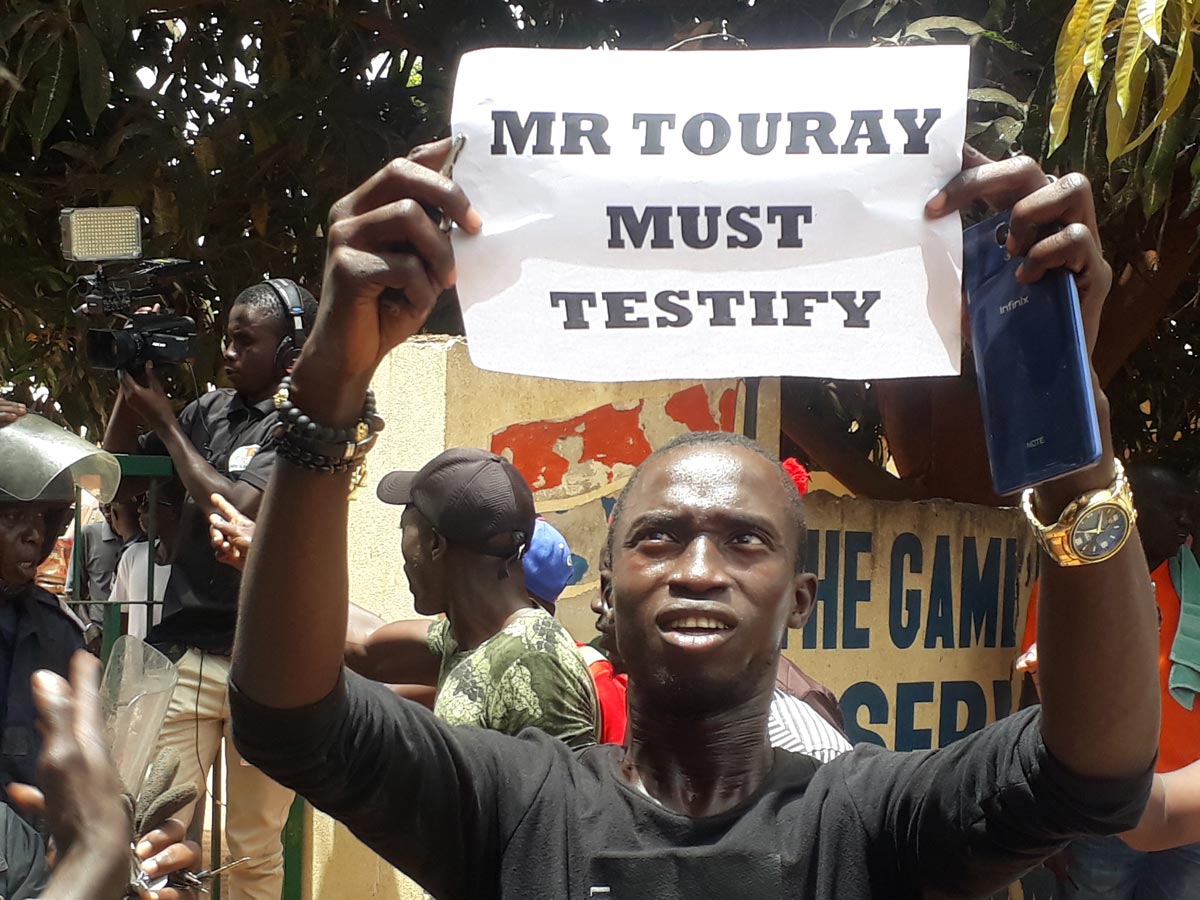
707	573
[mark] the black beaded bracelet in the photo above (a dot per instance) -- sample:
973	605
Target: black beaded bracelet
298	456
300	424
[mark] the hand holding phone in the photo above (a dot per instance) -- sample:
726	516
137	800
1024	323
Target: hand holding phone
1031	361
1053	232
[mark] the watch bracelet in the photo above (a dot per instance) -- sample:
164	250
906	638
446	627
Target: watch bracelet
1075	505
1054	539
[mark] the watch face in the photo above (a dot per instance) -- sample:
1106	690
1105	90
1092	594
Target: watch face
1100	531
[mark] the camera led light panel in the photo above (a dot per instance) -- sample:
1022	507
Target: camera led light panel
100	233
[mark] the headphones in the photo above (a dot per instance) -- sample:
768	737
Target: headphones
293	311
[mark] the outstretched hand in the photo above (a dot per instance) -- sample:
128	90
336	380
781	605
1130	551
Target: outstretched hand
82	796
231	533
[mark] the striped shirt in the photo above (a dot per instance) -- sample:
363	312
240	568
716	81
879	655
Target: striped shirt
796	726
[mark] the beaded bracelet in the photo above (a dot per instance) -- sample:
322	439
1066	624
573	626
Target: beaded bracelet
309	445
302	425
298	455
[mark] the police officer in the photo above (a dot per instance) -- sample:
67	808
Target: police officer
36	632
220	443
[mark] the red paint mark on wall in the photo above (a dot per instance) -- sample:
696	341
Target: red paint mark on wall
690	407
610	436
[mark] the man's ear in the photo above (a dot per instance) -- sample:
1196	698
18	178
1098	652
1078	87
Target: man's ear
438	547
805	590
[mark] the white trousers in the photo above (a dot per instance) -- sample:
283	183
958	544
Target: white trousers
257	808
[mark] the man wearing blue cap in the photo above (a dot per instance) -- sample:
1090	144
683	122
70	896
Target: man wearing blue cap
547	565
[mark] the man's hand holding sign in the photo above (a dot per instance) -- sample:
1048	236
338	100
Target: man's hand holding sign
706	527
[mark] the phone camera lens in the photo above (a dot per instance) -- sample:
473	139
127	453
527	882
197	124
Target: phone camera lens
1001	235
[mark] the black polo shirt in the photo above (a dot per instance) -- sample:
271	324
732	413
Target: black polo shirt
200	606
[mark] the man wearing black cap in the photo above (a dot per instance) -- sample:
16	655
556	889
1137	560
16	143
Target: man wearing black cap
501	662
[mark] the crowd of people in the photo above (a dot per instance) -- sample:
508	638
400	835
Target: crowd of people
677	755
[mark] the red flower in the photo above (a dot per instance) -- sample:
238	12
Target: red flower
798	474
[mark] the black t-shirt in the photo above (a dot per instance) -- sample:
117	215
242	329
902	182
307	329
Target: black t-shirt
23	870
200	604
43	636
473	814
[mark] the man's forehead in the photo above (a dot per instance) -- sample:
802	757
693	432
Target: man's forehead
246	315
714	474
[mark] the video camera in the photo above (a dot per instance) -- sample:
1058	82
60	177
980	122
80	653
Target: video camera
106	235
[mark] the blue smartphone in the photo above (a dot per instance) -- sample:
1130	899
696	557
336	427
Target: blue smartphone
1035	384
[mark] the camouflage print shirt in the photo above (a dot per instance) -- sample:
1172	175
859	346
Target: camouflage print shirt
528	675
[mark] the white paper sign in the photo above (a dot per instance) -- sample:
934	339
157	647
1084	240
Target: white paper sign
711	214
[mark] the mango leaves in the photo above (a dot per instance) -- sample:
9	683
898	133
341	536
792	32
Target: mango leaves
48	57
1162	29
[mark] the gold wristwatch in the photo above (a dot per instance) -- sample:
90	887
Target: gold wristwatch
1092	528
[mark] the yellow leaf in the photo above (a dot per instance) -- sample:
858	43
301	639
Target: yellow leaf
1093	40
1064	98
1150	13
1070	39
1131	45
260	211
166	211
1119	125
1178	83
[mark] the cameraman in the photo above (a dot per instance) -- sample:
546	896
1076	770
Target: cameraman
220	443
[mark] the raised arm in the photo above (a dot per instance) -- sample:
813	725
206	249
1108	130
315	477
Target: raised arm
379	239
1097	630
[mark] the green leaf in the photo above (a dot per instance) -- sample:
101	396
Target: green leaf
14	22
977	128
1194	200
996	95
849	8
887	7
922	27
94	85
81	152
108	19
39	38
1160	166
53	91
